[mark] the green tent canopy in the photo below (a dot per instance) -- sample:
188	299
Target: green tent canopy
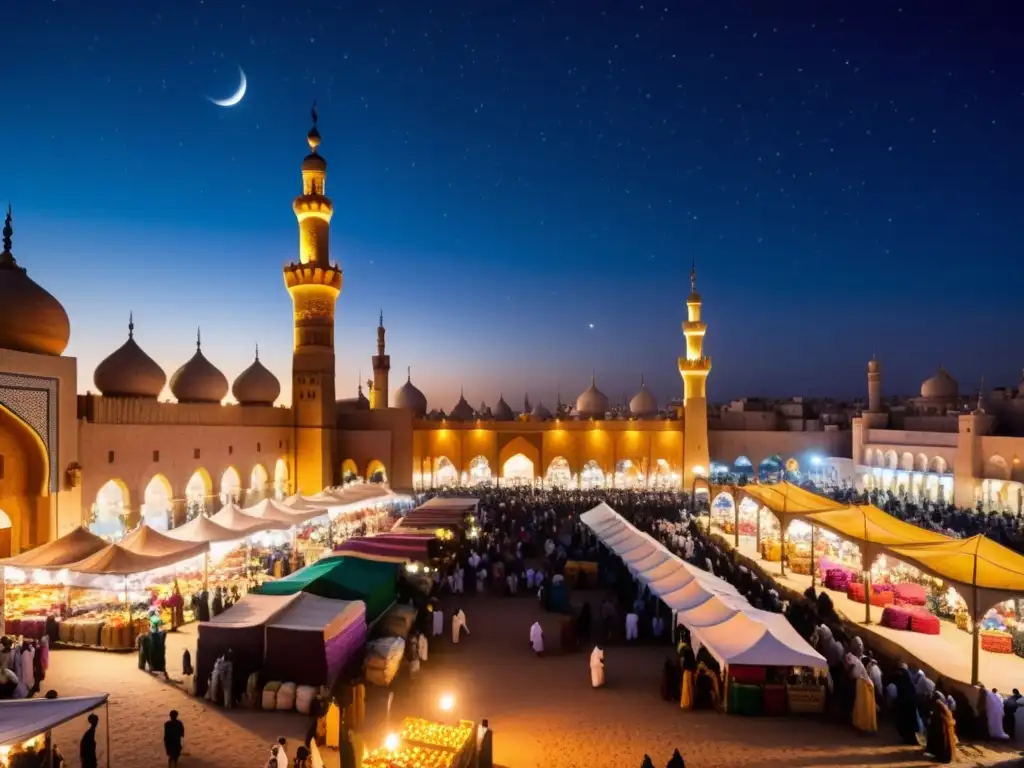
343	578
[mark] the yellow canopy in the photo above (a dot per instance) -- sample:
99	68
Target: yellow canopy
872	527
786	500
974	562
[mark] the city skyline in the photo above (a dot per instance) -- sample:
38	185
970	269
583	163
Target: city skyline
495	222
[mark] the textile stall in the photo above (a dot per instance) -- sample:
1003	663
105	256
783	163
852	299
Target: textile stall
241	630
313	639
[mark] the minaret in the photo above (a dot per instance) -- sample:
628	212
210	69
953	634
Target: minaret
314	284
694	368
381	369
874	385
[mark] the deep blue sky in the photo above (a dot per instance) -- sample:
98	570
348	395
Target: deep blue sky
504	174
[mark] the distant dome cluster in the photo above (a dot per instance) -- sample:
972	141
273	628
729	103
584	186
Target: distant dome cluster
941	386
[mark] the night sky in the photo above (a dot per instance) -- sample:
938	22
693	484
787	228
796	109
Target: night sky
506	174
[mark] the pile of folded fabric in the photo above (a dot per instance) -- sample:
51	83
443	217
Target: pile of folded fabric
383	659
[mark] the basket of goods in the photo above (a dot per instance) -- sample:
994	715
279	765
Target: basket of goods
963	621
771	551
426	733
409	756
269	698
805	699
800	564
996	641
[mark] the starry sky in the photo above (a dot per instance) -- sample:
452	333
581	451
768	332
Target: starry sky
506	175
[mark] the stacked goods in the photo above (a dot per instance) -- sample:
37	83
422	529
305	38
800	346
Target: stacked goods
923	622
286	697
996	642
896	618
31	628
409	757
383	658
910	594
855	591
397	622
838	579
269	700
427	733
305	695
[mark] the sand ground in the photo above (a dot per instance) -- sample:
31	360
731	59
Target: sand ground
543	711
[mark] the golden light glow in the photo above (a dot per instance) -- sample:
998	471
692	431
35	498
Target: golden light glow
392	742
446	702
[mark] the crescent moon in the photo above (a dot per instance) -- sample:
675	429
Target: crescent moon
234	98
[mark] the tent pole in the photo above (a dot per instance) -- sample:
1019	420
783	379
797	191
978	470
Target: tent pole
206	570
106	706
975	619
812	556
49	743
736	521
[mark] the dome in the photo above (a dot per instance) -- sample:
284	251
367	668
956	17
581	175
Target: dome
643	402
129	372
314	162
941	386
31	320
502	411
462	411
408	396
541	413
874	366
256	385
199	380
593	403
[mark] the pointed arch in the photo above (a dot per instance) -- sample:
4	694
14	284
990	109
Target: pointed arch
518	467
376	472
230	486
281	479
198	490
349	471
445	473
907	461
158	503
110	510
921	463
480	471
592	475
259	478
559	473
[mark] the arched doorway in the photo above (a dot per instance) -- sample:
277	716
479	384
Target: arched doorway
628	474
662	477
197	489
26	474
375	472
592	475
559	474
281	479
230	487
349	471
518	469
480	471
445	473
5	534
157	507
259	482
110	511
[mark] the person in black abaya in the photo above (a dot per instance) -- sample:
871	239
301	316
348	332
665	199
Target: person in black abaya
583	623
905	706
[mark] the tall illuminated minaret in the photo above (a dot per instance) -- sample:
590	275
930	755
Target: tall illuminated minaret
694	368
381	368
314	284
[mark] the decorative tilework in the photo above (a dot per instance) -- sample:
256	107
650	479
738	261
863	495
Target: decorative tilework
33	399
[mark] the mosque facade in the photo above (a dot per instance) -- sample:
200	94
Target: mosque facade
112	458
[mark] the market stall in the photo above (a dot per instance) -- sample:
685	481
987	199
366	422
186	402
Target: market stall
426	744
343	578
30	589
24	723
394	547
241	630
312	639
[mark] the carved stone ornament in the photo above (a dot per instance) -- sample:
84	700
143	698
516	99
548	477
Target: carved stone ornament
314	309
73	475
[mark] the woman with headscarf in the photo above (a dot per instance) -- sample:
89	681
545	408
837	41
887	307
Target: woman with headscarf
865	717
941	735
687	685
994	714
597	667
924	687
905	706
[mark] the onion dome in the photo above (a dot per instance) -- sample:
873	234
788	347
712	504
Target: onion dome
540	412
199	380
462	411
593	403
256	385
643	403
503	411
31	320
129	372
941	386
408	396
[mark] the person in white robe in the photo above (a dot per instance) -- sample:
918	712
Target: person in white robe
460	579
537	638
876	677
422	647
459	624
597	667
994	715
513	583
481	577
923	686
28	670
632	626
438	628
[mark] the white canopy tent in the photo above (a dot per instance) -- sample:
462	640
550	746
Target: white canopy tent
24	719
268	509
233	518
718	617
